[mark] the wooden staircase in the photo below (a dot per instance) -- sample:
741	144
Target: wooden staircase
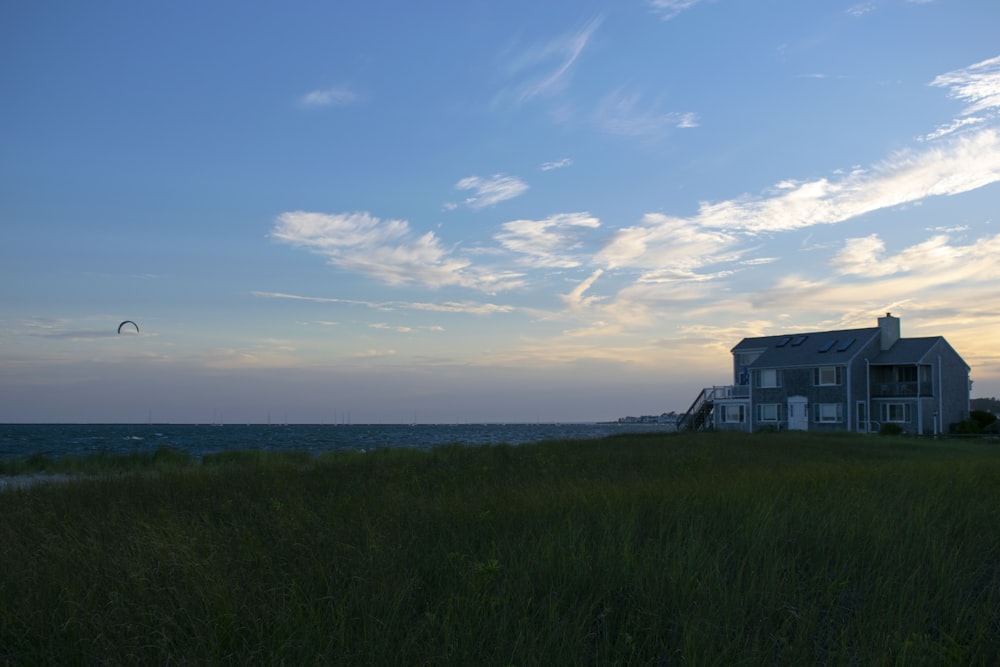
699	416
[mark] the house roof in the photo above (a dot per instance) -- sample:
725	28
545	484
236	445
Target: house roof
807	349
832	348
907	351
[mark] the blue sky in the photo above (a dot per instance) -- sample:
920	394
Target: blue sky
479	211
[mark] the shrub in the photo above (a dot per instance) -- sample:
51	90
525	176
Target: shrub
967	427
890	429
983	418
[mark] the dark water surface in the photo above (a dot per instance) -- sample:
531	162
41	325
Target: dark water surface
55	440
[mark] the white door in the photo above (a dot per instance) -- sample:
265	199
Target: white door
798	413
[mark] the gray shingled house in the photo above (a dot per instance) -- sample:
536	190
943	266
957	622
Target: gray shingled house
852	379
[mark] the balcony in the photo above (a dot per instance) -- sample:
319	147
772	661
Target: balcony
722	392
901	389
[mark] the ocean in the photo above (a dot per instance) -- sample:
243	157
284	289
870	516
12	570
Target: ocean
57	440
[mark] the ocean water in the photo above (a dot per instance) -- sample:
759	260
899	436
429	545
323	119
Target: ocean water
56	440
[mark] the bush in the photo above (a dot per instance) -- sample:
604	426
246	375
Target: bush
890	429
967	427
983	418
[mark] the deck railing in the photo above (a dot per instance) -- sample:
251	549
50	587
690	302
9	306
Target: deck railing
901	389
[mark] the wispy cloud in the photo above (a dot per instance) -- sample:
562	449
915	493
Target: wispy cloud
673	249
979	87
664	260
961	165
664	241
337	96
384	249
668	9
548	242
937	257
932	275
545	68
65	329
492	190
861	9
389	327
372	353
626	113
397	328
467	307
576	299
557	164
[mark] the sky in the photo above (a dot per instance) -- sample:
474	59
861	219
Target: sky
455	212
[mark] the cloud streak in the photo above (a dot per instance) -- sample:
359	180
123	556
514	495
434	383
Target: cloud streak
966	163
468	307
979	87
664	260
337	96
627	114
491	191
557	164
545	68
668	9
386	250
548	242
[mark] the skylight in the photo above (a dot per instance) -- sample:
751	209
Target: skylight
783	342
846	344
828	344
798	340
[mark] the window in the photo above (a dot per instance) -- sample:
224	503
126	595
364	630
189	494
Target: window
896	412
829	412
846	344
732	414
768	412
747	358
906	373
743	361
768	377
827	375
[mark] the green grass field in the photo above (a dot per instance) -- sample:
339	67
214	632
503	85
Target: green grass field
702	549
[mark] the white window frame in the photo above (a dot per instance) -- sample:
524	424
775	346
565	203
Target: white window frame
768	378
829	413
764	408
827	376
889	408
744	359
733	414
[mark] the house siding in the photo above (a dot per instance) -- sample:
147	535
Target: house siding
860	389
954	403
876	368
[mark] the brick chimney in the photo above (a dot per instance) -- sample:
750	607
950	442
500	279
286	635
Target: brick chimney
889	327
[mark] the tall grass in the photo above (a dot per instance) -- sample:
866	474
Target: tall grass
698	549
